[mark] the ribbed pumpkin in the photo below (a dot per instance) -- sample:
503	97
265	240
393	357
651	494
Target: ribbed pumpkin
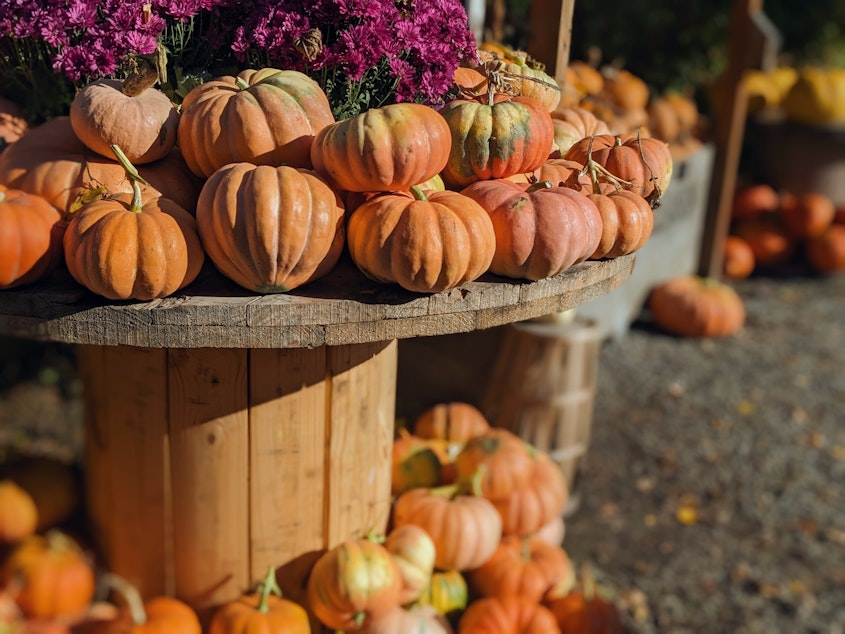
447	593
573	124
507	615
354	584
270	229
692	306
266	117
501	460
383	149
413	551
627	222
645	162
51	162
496	140
426	242
418	619
540	230
454	422
125	247
106	113
31	232
528	80
533	505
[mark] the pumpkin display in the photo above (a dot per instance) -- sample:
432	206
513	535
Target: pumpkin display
817	97
573	124
447	592
455	422
125	247
270	229
507	615
418	619
50	161
536	503
693	306
645	163
261	612
413	551
495	138
18	513
383	149
264	117
526	567
627	223
354	584
738	258
426	242
13	123
108	112
540	230
826	252
806	215
31	231
53	577
157	615
465	528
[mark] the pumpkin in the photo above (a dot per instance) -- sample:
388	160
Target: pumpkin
53	485
627	222
528	79
552	532
692	306
585	78
573	124
672	117
383	149
536	503
18	513
584	611
264	117
806	215
540	230
415	463
447	592
507	615
525	567
495	139
752	201
413	551
738	258
125	247
564	173
107	112
425	242
625	90
645	163
13	123
769	241
419	619
51	162
157	615
465	528
261	612
54	578
270	229
31	232
354	584
501	460
826	252
471	82
817	97
33	627
454	422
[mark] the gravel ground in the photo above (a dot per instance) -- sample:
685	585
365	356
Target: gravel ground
712	495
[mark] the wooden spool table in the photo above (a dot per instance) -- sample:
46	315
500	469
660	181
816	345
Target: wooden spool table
228	431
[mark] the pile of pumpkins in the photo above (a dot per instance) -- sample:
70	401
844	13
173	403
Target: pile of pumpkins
770	228
252	171
473	545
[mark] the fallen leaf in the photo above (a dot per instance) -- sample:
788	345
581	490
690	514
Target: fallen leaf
745	408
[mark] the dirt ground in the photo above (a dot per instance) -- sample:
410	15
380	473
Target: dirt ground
712	495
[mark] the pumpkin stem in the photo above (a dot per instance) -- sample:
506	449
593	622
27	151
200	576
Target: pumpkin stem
266	587
134	177
130	595
241	83
596	170
538	186
2	195
418	193
588	582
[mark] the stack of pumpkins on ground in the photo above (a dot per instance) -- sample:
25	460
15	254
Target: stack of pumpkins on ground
267	184
771	228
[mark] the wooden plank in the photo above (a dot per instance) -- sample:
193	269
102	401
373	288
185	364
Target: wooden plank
360	441
209	450
550	35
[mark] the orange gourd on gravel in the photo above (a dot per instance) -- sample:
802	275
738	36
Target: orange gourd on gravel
383	149
31	231
454	422
541	230
692	306
425	242
126	247
270	229
507	615
264	117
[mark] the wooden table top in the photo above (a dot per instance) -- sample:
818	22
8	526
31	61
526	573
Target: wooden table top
342	308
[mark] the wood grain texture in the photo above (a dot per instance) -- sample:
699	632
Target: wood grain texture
342	308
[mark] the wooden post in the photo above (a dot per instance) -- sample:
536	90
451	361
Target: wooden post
550	35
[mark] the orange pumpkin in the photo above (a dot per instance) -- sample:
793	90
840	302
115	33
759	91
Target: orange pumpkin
627	223
31	231
553	531
261	612
158	615
106	113
525	567
270	229
418	619
454	422
769	241
383	149
465	528
123	247
692	306
425	242
573	124
585	78
54	578
413	551
507	615
18	513
625	90
470	81
564	173
540	230
536	503
584	611
264	117
354	584
739	259
752	201
415	463
53	485
501	460
826	252
529	80
806	215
